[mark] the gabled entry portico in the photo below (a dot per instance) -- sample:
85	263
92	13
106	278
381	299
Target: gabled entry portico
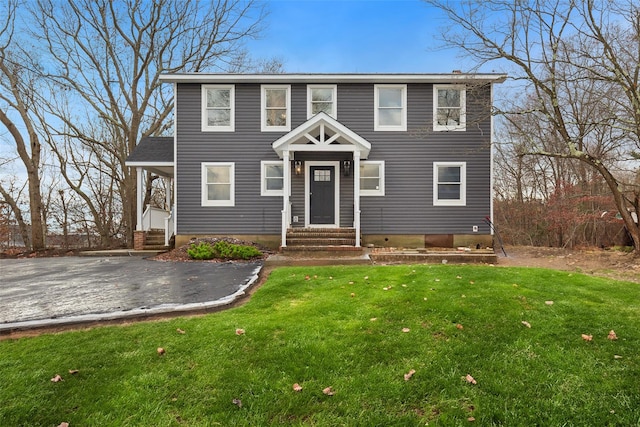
321	137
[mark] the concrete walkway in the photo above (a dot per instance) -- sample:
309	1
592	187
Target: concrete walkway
44	292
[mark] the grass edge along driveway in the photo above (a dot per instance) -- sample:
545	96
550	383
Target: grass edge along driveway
354	346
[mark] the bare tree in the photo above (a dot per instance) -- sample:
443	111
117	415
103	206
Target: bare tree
18	87
105	59
579	64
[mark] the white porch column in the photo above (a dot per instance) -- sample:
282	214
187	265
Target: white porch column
356	195
139	198
286	190
168	182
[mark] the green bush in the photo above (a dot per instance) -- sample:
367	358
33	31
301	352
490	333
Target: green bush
201	251
227	250
222	249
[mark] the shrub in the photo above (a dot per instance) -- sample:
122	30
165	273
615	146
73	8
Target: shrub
201	251
222	249
227	250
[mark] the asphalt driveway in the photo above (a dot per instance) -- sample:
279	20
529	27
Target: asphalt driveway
50	291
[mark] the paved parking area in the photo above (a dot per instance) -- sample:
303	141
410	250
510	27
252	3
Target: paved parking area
50	291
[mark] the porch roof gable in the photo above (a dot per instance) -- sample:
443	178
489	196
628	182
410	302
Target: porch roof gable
322	133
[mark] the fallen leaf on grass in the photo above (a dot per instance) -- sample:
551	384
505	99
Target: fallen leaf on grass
471	419
297	387
56	379
160	351
612	335
471	282
409	374
587	337
527	324
180	331
73	371
405	330
237	402
239	331
328	391
470	379
459	326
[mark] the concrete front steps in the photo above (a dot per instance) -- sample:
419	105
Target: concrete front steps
320	246
322	241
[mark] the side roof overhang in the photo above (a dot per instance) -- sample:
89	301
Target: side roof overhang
456	77
322	133
155	154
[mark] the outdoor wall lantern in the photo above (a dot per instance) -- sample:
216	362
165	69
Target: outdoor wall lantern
346	167
297	166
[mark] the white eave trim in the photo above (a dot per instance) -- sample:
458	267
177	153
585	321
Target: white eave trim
143	164
330	78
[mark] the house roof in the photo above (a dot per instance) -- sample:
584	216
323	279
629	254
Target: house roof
153	153
322	133
455	77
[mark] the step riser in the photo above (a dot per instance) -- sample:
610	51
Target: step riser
321	242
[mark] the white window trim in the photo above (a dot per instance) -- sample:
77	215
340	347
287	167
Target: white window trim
263	178
380	190
403	117
232	105
263	106
463	108
334	88
462	201
204	190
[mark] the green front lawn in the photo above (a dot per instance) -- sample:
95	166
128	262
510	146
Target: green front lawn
358	330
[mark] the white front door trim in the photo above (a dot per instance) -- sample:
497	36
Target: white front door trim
307	199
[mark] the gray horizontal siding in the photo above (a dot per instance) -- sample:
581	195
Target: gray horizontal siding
406	208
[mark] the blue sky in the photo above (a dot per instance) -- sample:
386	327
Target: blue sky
356	36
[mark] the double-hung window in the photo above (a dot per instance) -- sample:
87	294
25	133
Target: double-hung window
218	186
449	184
322	98
218	108
272	178
276	108
371	178
449	107
390	112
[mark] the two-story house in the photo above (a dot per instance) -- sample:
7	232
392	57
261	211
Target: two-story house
399	159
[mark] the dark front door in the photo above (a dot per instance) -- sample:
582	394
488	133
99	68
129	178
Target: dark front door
322	195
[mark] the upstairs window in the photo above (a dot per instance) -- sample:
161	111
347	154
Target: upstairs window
218	185
322	98
449	107
276	108
390	108
449	184
371	178
272	178
218	108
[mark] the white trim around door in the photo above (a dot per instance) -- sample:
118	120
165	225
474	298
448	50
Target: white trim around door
307	177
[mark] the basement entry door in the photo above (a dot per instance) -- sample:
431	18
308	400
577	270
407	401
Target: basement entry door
322	195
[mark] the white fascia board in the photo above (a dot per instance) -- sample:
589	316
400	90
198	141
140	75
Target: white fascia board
331	78
143	164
